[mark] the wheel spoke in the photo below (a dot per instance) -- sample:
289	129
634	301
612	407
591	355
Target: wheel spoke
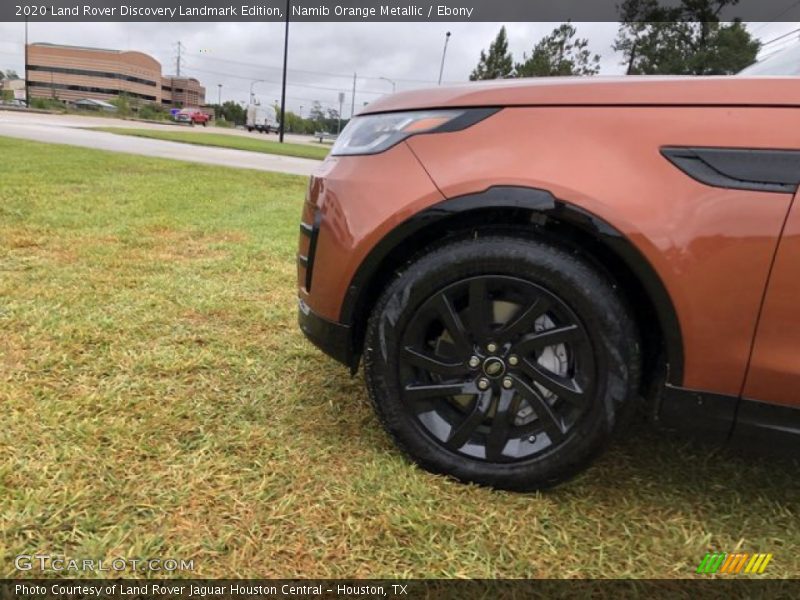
549	337
478	332
550	421
452	323
461	434
524	322
433	364
415	393
478	312
507	407
562	387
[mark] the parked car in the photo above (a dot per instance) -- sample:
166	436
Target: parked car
194	116
520	263
261	119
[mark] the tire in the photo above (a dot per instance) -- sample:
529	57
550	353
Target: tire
501	361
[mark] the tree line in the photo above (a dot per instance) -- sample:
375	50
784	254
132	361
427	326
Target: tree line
318	119
687	39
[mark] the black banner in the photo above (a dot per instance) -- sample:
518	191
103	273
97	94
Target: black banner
382	10
228	589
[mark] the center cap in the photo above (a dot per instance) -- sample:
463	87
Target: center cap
494	367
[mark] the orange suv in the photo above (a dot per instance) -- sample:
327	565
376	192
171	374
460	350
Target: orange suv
520	263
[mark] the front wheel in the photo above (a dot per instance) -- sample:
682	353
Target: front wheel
501	361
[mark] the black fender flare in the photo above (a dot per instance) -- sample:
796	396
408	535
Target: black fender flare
536	201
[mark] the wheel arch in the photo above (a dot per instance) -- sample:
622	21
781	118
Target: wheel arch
538	214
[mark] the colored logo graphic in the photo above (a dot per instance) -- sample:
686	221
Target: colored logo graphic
733	564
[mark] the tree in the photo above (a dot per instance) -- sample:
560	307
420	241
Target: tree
560	54
123	104
11	74
684	40
498	64
317	115
2	76
296	124
232	112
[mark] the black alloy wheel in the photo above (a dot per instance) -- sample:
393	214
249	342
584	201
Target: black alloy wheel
501	361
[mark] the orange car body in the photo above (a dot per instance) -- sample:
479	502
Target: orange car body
624	162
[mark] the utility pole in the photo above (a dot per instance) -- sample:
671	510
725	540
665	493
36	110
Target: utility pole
353	105
178	60
27	98
219	96
285	64
444	53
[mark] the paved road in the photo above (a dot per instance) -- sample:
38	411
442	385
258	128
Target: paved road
69	129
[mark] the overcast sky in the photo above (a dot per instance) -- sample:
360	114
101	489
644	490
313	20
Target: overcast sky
322	56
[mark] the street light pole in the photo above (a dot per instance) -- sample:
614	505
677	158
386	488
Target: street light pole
341	101
282	124
252	94
219	96
394	85
444	53
353	103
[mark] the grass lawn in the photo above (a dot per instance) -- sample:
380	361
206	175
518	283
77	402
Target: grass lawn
224	140
158	400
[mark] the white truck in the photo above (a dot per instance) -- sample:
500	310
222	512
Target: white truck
261	118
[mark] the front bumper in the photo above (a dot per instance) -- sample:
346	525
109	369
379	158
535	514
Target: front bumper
334	339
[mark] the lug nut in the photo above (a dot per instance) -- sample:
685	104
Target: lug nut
483	383
513	360
492	347
507	383
474	362
532	439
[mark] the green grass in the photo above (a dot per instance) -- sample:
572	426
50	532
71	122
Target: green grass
223	140
158	400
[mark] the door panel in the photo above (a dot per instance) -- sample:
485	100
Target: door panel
774	374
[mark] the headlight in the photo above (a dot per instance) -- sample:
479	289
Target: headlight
372	134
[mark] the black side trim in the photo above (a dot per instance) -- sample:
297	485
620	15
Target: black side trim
469	118
772	424
544	203
716	419
695	412
333	339
739	169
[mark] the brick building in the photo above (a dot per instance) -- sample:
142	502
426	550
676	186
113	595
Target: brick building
71	73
